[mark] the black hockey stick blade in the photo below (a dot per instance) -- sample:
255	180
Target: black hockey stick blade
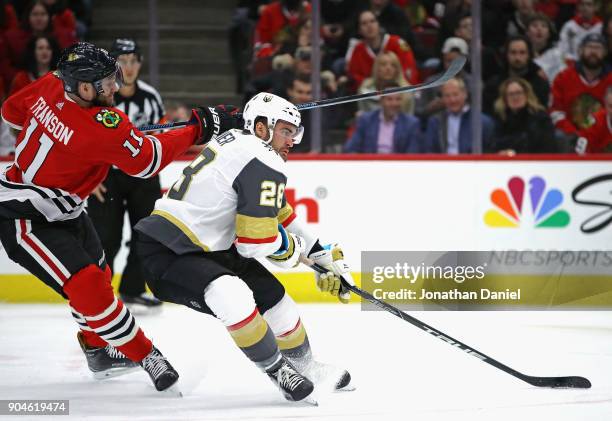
570	382
452	71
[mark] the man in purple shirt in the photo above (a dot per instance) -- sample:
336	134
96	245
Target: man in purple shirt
387	130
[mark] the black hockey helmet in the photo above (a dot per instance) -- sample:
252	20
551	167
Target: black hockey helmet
125	46
84	62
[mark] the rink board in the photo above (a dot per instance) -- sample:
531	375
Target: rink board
422	203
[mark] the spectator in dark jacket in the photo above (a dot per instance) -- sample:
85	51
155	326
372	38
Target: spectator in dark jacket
518	57
387	130
522	124
450	131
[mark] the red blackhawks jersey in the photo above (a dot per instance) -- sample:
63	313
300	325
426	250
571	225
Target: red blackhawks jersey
574	99
64	151
360	59
599	134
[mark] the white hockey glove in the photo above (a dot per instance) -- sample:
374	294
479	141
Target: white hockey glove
332	258
288	255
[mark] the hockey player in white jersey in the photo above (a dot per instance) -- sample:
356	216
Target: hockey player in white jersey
199	247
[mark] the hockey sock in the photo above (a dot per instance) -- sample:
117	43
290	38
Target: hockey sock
91	295
284	320
294	344
254	337
89	336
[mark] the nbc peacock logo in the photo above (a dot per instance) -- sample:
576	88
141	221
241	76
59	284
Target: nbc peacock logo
510	207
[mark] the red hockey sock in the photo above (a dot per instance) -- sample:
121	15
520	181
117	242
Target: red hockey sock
91	294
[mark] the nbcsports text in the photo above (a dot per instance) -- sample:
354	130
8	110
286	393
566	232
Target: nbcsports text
489	280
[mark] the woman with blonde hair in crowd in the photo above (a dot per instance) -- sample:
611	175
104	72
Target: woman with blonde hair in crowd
387	68
522	124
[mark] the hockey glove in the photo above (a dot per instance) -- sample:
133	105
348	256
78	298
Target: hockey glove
288	255
332	258
215	120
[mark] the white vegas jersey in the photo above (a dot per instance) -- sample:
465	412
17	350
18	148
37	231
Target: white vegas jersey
232	192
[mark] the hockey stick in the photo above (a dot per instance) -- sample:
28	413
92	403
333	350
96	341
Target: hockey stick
454	68
554	382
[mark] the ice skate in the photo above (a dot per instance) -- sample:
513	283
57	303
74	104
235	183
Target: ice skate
328	376
324	375
293	385
163	375
106	362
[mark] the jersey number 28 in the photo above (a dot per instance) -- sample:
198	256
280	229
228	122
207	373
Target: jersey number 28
272	193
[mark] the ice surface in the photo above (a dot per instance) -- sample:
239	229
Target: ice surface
401	373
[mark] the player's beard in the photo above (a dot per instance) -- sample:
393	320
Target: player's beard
104	101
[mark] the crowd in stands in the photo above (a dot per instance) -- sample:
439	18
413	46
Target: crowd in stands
32	35
546	71
546	68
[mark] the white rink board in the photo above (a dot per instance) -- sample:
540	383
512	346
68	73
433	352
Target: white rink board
429	205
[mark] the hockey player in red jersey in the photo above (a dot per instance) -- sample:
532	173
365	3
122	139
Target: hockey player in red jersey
70	135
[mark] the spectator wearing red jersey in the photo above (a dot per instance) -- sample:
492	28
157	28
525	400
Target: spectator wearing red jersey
393	20
8	17
275	17
578	91
573	31
360	56
36	21
41	57
63	20
8	21
598	137
549	8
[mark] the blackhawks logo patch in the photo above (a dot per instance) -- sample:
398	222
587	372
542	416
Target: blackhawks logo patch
108	118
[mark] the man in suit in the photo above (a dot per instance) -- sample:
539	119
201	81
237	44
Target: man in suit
450	131
386	130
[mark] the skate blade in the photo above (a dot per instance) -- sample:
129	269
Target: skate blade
114	372
173	391
310	400
347	388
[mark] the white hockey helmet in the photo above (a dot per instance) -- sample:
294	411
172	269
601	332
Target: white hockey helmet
273	108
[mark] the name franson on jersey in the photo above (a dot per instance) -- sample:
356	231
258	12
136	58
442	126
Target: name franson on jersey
45	116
